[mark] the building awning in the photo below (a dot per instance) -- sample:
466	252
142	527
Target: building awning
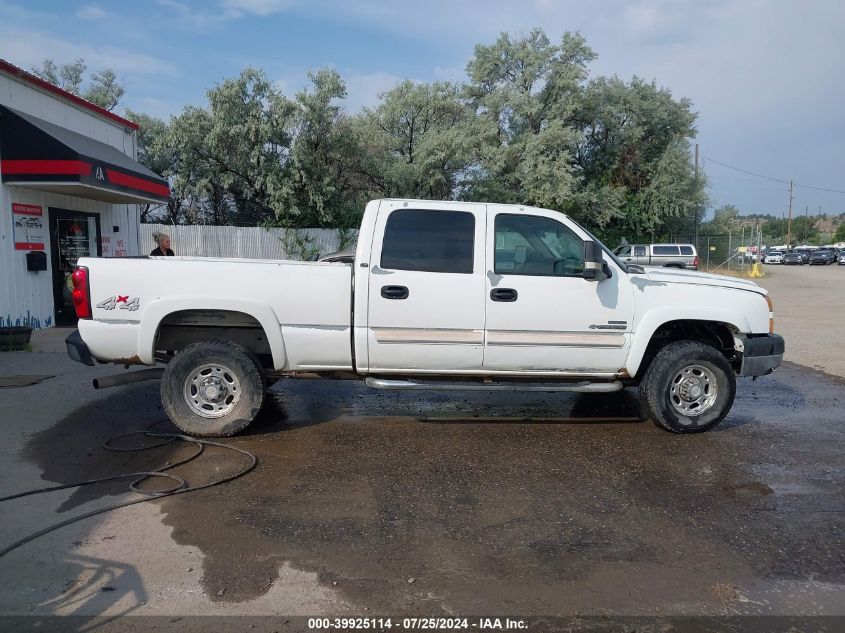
40	155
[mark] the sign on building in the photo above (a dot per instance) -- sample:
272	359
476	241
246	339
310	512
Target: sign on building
29	227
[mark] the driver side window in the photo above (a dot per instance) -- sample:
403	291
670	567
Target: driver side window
533	245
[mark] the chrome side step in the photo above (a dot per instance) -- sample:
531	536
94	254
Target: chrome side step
440	385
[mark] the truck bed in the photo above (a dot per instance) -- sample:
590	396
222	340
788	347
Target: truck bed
309	304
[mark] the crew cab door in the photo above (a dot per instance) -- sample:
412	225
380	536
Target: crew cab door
426	288
542	316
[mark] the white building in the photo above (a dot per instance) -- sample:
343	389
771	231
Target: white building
69	187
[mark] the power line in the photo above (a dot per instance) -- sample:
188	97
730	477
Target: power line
745	171
785	182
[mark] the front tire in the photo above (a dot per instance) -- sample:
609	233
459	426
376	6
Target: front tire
212	389
689	387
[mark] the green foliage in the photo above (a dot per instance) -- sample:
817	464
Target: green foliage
416	138
803	230
104	88
529	126
839	236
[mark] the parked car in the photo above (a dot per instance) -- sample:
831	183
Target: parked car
805	255
773	257
822	257
793	257
441	296
682	256
841	258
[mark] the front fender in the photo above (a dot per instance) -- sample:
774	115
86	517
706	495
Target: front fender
656	317
155	312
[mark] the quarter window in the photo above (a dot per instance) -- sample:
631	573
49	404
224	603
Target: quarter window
533	245
430	241
686	250
665	250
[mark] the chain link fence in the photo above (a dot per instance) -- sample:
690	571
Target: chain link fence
731	252
249	242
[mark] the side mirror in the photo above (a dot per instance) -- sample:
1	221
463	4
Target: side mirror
595	268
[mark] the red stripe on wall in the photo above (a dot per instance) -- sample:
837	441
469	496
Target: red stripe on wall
29	246
46	85
38	167
133	182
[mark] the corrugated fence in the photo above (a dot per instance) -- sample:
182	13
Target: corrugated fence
248	242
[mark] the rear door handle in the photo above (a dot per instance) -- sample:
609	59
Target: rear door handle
394	292
503	294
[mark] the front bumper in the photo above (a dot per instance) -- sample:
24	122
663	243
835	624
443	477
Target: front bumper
761	354
78	350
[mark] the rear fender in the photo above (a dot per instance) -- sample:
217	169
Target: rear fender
156	311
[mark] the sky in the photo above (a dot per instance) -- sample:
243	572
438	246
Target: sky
766	77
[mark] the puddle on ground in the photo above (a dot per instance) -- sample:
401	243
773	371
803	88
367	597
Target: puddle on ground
370	489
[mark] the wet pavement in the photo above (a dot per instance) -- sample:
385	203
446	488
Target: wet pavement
412	502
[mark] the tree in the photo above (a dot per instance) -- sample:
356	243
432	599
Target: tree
522	92
528	127
839	236
104	88
232	156
415	137
325	176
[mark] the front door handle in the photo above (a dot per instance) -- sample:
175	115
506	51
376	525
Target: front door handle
394	292
503	294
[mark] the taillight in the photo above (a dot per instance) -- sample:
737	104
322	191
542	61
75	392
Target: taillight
81	294
695	261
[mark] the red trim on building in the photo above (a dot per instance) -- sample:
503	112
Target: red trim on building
29	246
52	167
133	182
27	209
20	73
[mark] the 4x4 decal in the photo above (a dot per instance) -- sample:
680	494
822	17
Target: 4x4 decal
120	301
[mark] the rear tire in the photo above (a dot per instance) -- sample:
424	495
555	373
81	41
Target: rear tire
212	389
689	387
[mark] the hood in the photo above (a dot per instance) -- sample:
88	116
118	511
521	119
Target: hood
676	276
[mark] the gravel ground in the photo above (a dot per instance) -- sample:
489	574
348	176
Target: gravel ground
810	313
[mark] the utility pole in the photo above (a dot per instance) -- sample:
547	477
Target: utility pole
789	221
695	208
806	223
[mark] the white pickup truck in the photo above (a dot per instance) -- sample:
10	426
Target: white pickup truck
440	295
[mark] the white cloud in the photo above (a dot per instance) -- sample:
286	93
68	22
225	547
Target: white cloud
363	89
27	48
179	13
456	74
257	7
90	12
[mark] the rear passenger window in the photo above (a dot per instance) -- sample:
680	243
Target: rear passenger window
686	250
429	241
665	250
639	251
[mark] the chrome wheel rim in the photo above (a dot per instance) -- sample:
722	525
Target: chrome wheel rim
212	390
693	390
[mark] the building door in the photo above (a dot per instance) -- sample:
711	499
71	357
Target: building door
73	234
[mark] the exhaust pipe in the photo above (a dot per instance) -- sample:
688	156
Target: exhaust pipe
116	380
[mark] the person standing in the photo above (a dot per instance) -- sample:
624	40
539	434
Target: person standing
163	248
